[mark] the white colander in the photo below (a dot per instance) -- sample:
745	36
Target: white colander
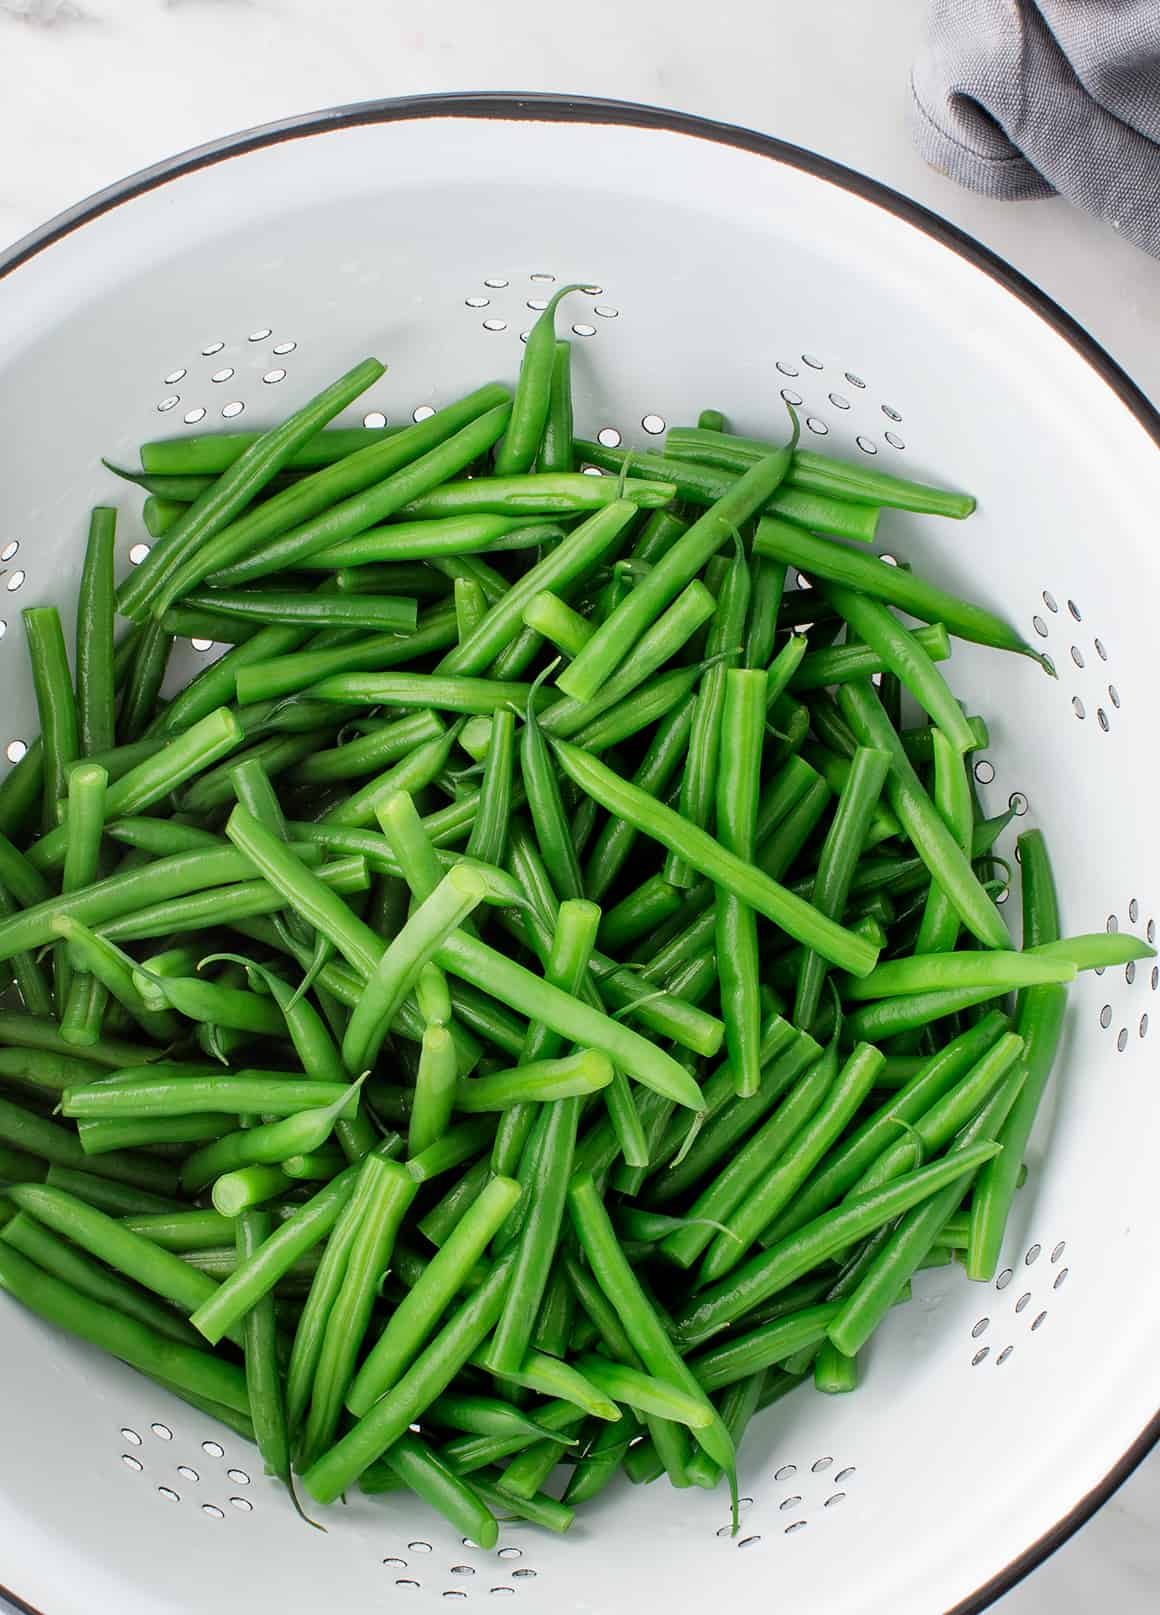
230	284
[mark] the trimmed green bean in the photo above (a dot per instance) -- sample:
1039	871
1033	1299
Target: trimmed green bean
96	696
741	735
413	1321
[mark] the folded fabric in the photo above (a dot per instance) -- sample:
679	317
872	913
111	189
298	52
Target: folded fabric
1018	99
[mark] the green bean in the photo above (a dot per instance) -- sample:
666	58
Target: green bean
87	786
239	1092
389	1195
933	841
646	1394
1001	971
434	1089
546	807
222	1005
22	789
413	476
412	1461
540	1081
918	743
385	743
489	832
554	1320
454	536
324	1287
555	620
840	853
791	1167
845	1164
837	664
639	913
139	706
556	444
712	860
210	453
600	1463
260	1354
677	568
1039	1020
159	514
227	905
542	494
470	606
704	485
447	1212
385	614
821	558
551	1377
531	407
903	1251
1097	950
723	651
413	1321
768	578
135	1343
939	928
52	682
317	1166
64	1261
232	492
821	473
457	895
95	688
236	1192
185	1230
741	738
764	1275
83	1017
552	1144
758	1349
187	622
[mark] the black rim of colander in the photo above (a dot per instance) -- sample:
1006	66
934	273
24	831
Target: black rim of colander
586	110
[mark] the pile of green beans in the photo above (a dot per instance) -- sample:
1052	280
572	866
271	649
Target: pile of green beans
558	945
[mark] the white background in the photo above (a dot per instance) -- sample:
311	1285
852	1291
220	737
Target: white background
93	89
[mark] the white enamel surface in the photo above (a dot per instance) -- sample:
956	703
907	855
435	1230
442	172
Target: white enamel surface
719	263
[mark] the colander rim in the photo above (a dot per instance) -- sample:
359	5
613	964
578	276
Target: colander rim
507	106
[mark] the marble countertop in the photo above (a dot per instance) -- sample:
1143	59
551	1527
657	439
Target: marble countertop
93	89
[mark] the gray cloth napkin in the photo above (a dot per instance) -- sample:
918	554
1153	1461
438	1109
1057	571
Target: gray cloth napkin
1025	98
